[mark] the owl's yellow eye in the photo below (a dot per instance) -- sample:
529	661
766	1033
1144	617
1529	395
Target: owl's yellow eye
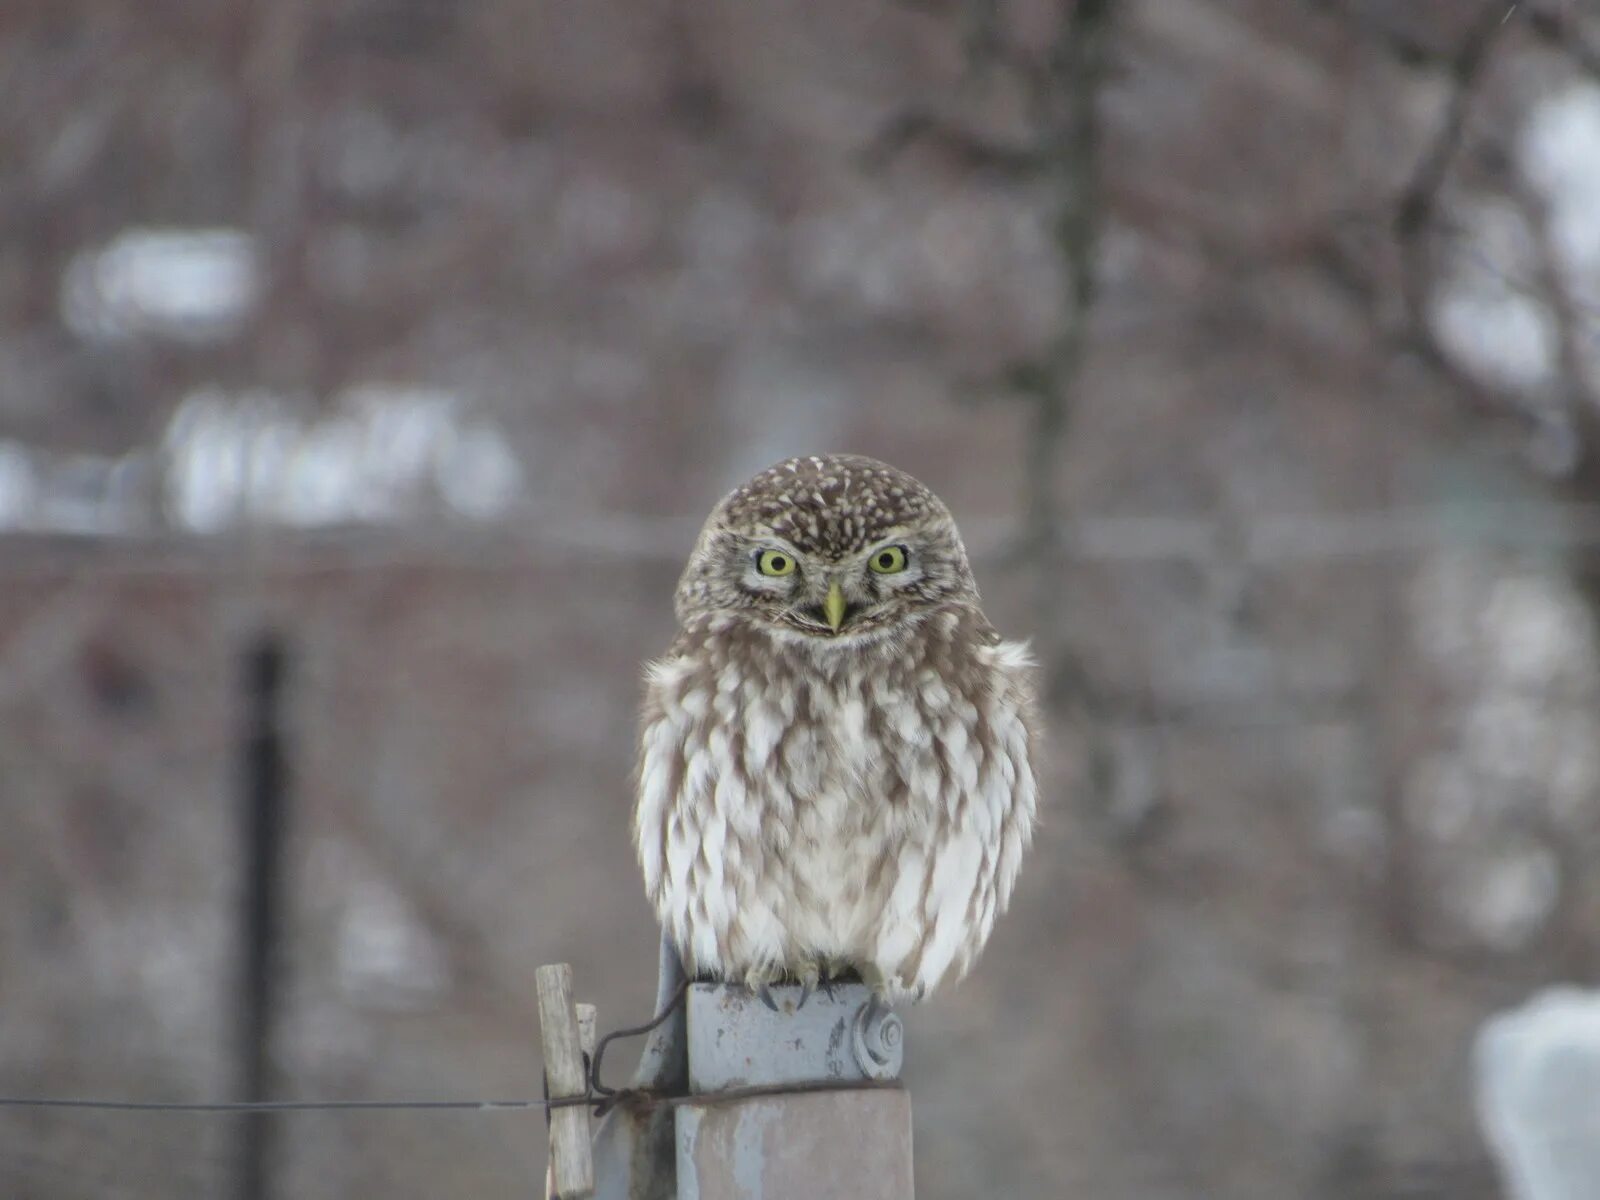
888	560
774	562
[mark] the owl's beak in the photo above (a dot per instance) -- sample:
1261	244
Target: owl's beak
833	606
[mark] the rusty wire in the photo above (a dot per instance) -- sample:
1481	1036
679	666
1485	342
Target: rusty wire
596	1088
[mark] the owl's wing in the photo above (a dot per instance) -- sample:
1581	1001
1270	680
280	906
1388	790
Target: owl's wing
678	832
951	879
659	774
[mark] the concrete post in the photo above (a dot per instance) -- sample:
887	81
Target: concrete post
794	1104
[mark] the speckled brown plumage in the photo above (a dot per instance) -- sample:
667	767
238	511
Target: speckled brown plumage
826	796
830	505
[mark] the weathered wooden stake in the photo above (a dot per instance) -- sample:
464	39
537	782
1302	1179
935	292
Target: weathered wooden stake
587	1018
571	1164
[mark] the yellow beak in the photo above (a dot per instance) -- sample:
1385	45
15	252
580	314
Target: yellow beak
833	607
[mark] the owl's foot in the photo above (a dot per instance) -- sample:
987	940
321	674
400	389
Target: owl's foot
836	973
890	990
759	982
814	975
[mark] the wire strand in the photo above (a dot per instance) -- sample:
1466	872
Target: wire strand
246	1106
595	1093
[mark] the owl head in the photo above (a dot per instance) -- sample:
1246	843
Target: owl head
830	547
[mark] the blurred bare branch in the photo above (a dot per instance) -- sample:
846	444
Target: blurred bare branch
1560	28
1418	203
1067	102
967	151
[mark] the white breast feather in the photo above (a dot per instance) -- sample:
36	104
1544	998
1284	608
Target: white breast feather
770	846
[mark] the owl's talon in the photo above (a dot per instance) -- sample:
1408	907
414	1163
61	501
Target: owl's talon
808	975
765	993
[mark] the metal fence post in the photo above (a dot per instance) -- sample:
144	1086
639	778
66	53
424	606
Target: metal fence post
634	1152
264	817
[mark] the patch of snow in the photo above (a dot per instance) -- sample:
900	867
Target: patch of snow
383	954
190	285
1497	333
477	473
1540	630
1484	313
1504	741
1559	152
18	486
88	494
46	492
1512	896
1537	1081
1515	646
383	454
167	959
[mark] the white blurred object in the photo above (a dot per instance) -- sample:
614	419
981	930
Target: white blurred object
192	285
1560	154
386	957
384	453
45	491
1537	1076
1484	313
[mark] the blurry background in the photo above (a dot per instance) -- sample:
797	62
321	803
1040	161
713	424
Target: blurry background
1255	344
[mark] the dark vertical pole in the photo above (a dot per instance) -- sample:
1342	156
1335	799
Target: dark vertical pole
264	811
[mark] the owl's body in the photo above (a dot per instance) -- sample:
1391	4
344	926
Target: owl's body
819	794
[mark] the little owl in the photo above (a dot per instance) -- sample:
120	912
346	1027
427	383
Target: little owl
836	768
